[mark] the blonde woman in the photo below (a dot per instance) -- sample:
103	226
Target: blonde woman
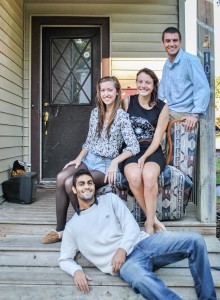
109	128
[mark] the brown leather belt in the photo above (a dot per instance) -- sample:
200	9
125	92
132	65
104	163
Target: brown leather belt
145	140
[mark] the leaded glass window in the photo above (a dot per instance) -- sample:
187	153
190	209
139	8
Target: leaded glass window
71	71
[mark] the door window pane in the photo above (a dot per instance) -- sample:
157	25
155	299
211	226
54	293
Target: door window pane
71	71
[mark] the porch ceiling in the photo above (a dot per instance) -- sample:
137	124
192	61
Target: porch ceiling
104	1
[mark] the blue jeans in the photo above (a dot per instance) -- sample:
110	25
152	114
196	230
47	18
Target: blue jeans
161	249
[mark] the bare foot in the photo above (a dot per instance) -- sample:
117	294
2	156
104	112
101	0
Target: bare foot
149	229
158	226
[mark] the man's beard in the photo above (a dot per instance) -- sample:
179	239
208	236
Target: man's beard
85	198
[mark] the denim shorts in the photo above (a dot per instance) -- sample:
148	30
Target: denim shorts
96	162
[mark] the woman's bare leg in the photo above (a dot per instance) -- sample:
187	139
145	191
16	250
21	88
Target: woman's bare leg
134	178
137	185
151	171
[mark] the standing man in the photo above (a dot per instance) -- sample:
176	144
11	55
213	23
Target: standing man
105	232
184	84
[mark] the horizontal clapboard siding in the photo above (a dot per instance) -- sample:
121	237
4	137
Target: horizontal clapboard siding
135	30
11	85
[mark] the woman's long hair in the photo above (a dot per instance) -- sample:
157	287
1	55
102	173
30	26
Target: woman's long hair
102	106
154	94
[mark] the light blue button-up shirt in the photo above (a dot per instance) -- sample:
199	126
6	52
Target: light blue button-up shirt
184	84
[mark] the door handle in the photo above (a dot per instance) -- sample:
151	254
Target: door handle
46	118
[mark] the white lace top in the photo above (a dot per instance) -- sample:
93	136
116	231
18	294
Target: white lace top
120	131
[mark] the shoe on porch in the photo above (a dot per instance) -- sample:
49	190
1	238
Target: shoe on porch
52	237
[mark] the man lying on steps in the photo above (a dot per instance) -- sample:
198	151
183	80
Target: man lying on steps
105	232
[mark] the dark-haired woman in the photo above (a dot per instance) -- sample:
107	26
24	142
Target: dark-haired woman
149	118
109	128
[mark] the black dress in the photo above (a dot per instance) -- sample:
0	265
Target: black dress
144	123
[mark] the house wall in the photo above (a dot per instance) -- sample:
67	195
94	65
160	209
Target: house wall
135	30
11	85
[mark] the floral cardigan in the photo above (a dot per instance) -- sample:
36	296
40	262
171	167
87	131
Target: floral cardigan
120	132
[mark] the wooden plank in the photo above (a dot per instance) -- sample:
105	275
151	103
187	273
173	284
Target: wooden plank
10	43
23	229
47	276
21	242
136	28
46	258
206	184
26	81
57	292
11	76
137	64
10	86
69	293
12	55
9	142
11	131
40	229
26	102
9	7
99	9
7	163
4	175
20	3
26	123
10	152
17	8
16	36
143	20
10	108
53	277
9	98
139	37
9	20
26	243
203	230
10	119
159	2
144	54
36	259
140	47
127	84
7	62
129	75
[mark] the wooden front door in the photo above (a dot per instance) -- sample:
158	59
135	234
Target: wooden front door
71	64
68	55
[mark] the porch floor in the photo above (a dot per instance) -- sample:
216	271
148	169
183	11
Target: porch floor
29	269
